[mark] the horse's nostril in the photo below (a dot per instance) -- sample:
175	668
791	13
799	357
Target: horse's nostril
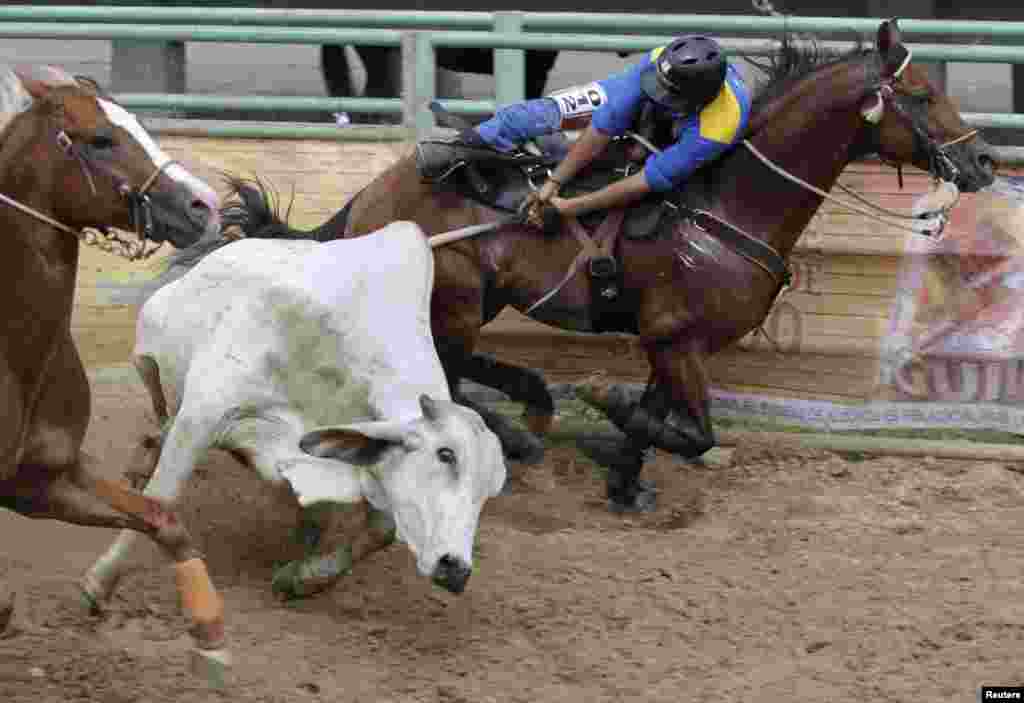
987	163
200	207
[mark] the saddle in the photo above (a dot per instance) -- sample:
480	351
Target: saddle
502	180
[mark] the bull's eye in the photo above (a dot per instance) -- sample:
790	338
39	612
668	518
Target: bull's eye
446	455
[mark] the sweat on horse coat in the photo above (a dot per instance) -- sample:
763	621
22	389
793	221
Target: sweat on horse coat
316	363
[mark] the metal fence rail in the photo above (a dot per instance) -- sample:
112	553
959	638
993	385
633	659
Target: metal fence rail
420	33
621	23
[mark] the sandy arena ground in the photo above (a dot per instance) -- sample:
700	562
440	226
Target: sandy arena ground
787	575
790	575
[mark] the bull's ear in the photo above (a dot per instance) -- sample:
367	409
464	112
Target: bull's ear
429	406
349	441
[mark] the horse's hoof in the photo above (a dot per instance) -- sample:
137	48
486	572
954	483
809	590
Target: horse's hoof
642	502
211	665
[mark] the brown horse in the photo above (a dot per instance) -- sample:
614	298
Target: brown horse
71	158
707	278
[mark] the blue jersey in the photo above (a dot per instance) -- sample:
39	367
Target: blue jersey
615	107
699	138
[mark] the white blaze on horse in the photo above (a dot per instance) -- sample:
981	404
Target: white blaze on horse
315	364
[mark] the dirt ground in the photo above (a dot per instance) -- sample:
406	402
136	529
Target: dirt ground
783	574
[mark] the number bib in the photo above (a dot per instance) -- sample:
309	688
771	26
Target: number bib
578	103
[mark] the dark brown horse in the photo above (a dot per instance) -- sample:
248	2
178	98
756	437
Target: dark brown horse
71	158
704	281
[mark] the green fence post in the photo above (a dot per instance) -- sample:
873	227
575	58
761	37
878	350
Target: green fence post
419	76
509	64
156	66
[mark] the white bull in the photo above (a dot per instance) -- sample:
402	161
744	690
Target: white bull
316	364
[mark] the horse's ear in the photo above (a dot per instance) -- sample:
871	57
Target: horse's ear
890	47
36	88
40	80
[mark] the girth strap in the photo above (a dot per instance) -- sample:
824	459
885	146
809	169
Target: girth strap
600	246
754	250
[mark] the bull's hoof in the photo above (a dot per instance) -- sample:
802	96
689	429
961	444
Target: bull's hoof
92	595
211	665
307	577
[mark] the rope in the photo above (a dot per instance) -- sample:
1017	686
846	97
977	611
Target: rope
109	241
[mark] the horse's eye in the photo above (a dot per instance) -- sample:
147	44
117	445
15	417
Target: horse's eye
446	455
101	141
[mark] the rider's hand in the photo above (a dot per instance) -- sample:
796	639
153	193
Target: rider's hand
534	203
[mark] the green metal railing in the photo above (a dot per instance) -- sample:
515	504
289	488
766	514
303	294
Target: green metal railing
420	33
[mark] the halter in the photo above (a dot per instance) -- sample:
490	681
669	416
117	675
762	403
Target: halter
140	210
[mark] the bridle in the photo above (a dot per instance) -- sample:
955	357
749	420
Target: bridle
140	209
940	165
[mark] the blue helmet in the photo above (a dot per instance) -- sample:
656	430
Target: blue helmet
687	74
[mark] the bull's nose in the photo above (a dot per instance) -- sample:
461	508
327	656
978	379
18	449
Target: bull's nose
452	573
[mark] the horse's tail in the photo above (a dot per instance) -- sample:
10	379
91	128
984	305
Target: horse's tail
254	208
250	206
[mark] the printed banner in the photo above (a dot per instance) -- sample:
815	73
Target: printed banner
952	354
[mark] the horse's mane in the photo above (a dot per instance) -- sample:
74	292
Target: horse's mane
792	61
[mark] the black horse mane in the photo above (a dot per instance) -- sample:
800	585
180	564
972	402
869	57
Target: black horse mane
793	61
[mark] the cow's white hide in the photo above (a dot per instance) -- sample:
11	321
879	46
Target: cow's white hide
316	363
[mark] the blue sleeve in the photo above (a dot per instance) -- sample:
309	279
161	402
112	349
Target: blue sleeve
514	124
625	97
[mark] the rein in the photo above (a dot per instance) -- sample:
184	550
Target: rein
849	206
942	168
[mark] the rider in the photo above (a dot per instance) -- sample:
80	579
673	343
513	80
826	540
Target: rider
689	81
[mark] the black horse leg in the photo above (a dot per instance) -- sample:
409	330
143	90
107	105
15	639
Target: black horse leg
519	384
624	459
538	64
516	444
383	75
672	415
336	72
